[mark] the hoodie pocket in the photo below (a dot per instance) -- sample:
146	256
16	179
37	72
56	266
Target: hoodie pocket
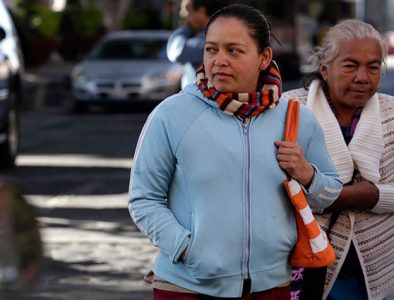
210	256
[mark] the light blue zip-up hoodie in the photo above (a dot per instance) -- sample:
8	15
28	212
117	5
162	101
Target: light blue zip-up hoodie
209	183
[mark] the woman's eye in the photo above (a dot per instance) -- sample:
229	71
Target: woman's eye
349	66
210	50
374	68
234	50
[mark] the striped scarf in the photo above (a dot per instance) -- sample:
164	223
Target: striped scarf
245	104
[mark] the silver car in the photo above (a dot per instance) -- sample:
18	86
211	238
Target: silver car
126	66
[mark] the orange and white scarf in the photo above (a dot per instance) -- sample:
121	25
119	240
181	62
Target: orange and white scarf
245	104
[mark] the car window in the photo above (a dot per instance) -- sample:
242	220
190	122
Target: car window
130	49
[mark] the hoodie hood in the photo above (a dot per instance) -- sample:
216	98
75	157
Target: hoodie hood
195	91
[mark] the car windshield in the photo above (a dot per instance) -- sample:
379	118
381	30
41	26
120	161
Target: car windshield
130	49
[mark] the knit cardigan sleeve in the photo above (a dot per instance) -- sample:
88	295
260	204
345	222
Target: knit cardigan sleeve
386	184
386	199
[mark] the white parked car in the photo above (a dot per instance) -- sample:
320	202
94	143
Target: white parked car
11	78
126	66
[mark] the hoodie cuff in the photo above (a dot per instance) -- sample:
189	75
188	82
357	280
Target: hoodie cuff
314	183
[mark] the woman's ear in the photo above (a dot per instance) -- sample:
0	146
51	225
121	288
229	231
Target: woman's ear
266	58
324	72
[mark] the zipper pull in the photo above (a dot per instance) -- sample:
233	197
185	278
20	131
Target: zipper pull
245	125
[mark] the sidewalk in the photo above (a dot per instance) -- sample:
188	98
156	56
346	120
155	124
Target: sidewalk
92	250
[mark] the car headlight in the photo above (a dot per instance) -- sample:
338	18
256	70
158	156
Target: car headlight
171	75
79	76
174	75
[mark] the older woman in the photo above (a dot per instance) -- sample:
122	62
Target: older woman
358	126
206	185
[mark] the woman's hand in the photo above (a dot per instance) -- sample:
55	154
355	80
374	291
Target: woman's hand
361	195
292	160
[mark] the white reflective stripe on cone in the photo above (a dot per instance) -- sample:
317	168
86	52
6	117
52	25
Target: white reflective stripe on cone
319	243
294	187
306	215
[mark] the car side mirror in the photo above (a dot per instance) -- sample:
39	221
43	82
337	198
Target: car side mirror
2	34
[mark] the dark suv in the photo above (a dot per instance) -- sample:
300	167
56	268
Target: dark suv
11	72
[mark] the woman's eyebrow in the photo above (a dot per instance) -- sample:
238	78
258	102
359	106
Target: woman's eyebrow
352	60
211	43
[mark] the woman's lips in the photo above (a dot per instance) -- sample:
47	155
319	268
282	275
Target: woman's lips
360	92
220	75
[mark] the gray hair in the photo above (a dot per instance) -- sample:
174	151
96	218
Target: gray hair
343	32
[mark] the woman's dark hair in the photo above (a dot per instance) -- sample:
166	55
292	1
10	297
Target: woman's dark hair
258	25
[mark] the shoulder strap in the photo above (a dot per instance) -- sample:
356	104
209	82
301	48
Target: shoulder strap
333	220
292	120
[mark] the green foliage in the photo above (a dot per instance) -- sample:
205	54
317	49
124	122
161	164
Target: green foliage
93	19
45	21
141	18
86	19
36	19
134	20
25	7
39	20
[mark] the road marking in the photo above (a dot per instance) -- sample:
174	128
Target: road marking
71	160
79	201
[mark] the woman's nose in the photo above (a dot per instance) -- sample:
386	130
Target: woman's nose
362	74
220	58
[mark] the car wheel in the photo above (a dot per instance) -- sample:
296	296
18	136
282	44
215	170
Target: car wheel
9	148
80	107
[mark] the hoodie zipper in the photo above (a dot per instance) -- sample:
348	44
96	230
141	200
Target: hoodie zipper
245	261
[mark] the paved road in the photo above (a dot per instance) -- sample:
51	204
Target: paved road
75	169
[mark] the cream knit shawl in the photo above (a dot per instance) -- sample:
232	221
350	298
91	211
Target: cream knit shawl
366	147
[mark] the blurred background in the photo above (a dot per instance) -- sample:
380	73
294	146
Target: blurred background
67	29
65	231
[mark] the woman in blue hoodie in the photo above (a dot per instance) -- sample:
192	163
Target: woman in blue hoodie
207	181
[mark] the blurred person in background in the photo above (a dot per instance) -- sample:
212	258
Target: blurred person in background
207	181
358	126
186	44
